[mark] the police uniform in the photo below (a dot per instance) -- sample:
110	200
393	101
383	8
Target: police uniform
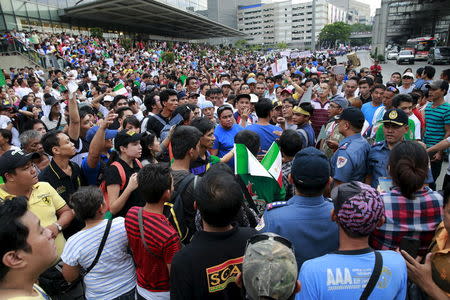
349	161
377	163
306	222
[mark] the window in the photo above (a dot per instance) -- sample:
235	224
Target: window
7	6
32	10
19	8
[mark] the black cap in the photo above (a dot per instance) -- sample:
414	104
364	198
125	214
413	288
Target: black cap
13	159
395	116
438	84
51	101
354	116
125	137
310	167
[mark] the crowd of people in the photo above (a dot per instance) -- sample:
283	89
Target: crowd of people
121	181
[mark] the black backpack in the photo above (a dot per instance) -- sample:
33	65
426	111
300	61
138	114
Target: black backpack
174	210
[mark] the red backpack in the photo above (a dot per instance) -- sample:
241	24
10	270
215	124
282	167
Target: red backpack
123	180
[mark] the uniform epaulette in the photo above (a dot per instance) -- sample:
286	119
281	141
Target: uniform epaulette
276	204
344	146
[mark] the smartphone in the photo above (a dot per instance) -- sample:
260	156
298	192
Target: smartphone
410	246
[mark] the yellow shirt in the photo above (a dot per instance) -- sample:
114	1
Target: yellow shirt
44	202
41	295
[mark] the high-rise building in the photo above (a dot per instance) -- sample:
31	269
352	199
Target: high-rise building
289	22
357	12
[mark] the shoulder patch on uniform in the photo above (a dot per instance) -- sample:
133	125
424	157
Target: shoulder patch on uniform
276	204
344	146
341	161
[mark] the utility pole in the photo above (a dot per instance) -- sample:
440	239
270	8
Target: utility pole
313	30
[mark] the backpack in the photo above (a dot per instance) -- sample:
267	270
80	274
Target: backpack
174	210
123	180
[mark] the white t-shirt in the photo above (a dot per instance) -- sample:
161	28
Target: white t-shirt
417	131
402	90
114	274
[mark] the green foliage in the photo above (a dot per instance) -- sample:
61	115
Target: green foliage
360	27
126	43
169	45
96	32
221	52
202	53
380	57
241	44
168	57
361	41
332	33
281	45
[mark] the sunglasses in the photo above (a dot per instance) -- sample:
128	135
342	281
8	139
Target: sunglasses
264	237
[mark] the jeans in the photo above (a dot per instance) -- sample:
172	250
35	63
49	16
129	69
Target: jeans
436	167
131	295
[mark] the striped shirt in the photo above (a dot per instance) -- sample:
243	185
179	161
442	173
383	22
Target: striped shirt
320	115
163	241
415	218
436	119
114	273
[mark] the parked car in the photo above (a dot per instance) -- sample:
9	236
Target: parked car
405	56
439	55
392	55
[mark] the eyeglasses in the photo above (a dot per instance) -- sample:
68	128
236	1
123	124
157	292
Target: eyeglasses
264	237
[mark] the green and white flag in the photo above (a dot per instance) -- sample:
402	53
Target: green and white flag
272	162
120	90
262	182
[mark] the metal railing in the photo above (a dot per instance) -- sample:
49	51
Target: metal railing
12	46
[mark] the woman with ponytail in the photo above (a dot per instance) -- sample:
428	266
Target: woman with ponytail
412	209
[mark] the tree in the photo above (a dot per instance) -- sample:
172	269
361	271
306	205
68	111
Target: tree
357	27
241	44
126	43
332	33
281	45
96	32
168	57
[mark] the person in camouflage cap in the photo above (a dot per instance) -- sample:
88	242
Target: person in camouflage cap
269	268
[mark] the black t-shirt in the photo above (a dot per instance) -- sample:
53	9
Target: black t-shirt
203	269
112	176
155	125
188	201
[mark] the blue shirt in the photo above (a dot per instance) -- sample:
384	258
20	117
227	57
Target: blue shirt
91	174
306	222
368	111
225	138
349	163
309	130
344	275
377	163
266	135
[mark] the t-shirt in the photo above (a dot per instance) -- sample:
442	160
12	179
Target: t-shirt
44	201
114	273
208	266
112	176
162	240
266	135
344	275
368	109
436	118
154	124
225	138
41	295
408	136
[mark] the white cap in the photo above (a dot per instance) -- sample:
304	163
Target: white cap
409	74
108	98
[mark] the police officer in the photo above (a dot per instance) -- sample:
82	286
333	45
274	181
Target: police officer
348	163
395	126
305	218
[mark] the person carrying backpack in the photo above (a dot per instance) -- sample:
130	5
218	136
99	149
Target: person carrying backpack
181	211
155	123
120	177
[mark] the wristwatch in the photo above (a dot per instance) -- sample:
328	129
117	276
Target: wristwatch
58	226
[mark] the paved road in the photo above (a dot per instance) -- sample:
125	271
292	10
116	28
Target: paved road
391	66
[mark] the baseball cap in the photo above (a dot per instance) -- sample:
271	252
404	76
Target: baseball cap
181	94
51	101
287	91
225	83
437	84
408	74
194	95
341	101
269	268
206	104
358	207
109	133
251	80
277	104
13	159
395	116
353	115
125	136
251	75
254	98
108	98
310	167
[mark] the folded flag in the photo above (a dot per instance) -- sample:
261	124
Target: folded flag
120	90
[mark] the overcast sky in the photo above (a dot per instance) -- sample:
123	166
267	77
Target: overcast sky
374	4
